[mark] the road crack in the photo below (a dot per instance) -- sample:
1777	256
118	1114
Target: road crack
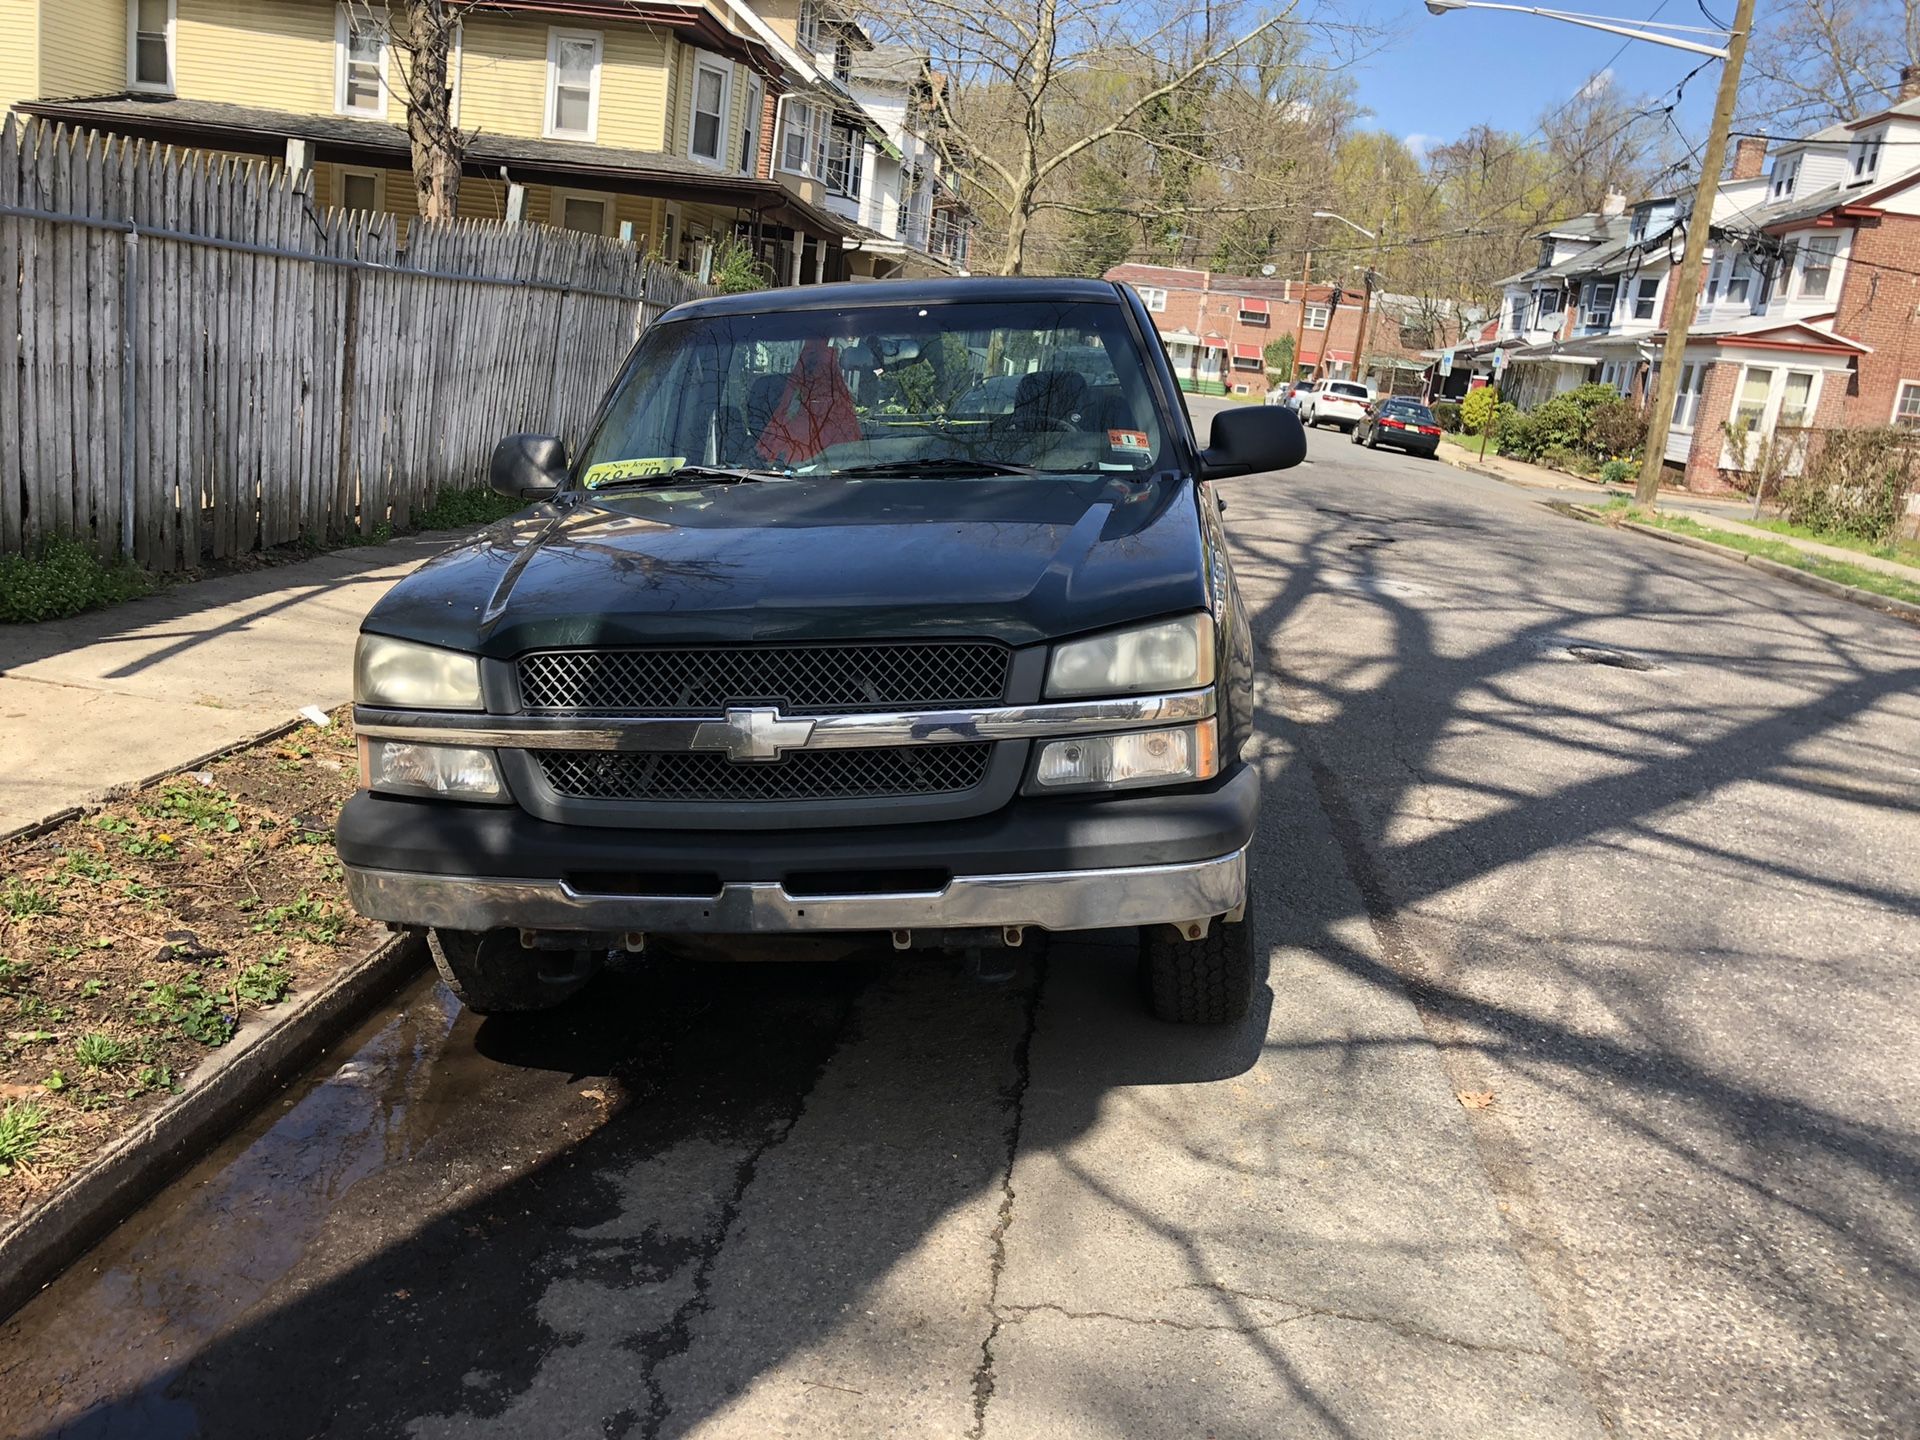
983	1373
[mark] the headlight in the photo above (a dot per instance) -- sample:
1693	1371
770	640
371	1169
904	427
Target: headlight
458	772
1166	655
413	676
1137	757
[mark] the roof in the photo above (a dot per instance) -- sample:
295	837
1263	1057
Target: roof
971	289
255	130
890	64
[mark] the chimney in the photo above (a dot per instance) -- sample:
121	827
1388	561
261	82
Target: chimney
1749	158
1614	204
1910	82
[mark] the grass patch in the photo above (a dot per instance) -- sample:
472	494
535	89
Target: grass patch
23	1128
1839	571
63	577
19	901
98	1052
454	509
1905	552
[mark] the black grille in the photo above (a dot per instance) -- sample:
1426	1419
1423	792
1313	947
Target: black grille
798	679
876	773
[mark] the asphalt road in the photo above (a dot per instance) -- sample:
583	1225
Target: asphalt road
1583	1100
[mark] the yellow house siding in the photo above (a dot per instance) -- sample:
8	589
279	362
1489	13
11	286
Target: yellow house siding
276	55
19	51
503	80
83	47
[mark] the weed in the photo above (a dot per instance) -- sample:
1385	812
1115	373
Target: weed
55	1082
88	866
136	842
98	1052
194	807
454	509
265	982
21	900
312	920
152	1077
188	1007
91	988
23	1126
63	577
11	970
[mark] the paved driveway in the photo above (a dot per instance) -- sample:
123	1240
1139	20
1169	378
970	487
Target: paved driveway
1659	923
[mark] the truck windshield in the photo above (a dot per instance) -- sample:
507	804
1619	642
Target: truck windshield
1041	387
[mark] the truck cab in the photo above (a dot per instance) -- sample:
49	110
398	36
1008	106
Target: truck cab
898	609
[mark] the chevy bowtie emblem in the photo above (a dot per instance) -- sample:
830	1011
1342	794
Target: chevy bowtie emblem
752	734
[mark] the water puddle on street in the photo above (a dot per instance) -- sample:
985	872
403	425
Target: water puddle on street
213	1244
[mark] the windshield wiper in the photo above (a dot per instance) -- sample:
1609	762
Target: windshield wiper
724	474
936	467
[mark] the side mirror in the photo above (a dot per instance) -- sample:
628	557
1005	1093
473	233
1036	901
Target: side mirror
528	467
1250	439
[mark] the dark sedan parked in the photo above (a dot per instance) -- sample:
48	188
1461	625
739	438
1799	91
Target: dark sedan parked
1404	423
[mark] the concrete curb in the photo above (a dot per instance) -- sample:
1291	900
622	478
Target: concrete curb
1867	599
229	1085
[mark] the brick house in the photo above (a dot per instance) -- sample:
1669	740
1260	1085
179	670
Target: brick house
1809	298
1216	328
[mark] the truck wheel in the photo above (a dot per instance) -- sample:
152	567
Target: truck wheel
1208	981
491	973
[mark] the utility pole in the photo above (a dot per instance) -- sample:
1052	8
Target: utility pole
1366	310
1300	325
1687	277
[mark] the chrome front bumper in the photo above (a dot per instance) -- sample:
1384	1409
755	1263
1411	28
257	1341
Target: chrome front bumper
1051	900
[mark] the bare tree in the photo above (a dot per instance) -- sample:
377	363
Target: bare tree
1814	62
1009	80
421	36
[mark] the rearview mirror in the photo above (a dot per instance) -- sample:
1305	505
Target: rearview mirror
528	467
1251	439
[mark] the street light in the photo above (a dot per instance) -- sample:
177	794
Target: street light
1686	279
1329	215
1636	30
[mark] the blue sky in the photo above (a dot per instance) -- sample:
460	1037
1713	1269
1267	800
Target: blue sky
1441	74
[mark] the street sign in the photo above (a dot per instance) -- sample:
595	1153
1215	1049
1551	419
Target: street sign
1499	361
1446	363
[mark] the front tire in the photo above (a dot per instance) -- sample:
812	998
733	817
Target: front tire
1209	981
491	973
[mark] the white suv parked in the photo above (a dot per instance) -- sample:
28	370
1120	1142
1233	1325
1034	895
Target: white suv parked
1341	403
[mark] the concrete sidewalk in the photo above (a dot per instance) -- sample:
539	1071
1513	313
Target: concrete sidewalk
114	696
1723	512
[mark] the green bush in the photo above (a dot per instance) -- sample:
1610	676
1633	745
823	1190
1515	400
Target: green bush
1477	409
736	269
1619	472
1853	482
1447	414
63	577
1515	433
1617	428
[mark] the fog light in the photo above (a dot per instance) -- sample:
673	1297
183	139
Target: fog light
1136	757
401	767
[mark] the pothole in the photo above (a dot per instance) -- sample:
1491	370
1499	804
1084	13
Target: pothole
1619	659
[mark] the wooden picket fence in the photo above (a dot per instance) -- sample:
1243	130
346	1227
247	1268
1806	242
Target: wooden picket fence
197	361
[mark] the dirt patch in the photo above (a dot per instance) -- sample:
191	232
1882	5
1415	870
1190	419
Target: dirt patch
135	938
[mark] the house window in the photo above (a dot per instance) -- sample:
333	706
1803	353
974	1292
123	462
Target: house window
1517	320
1548	305
573	83
1317	317
1906	405
798	138
1816	265
1153	297
1785	172
1686	403
842	60
585	213
806	27
845	150
750	126
150	45
1646	293
362	190
1750	405
1600	305
1254	317
360	63
1796	401
1865	155
706	137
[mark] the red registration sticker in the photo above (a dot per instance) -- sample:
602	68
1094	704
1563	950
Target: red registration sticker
1129	442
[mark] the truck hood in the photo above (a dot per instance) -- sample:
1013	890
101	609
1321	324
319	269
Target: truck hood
1017	559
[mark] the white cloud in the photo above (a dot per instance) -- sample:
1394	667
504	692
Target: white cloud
1598	85
1420	144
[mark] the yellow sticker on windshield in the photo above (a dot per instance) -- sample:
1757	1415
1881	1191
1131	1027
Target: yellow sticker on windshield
608	472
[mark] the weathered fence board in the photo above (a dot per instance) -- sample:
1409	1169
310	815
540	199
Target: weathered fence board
197	361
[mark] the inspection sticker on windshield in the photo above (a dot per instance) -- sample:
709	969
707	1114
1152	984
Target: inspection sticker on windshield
610	472
1129	442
